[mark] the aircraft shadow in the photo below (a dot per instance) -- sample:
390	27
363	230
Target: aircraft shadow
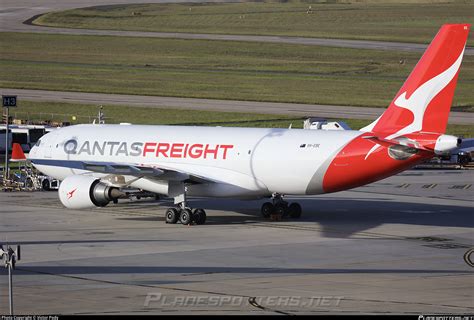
88	241
335	217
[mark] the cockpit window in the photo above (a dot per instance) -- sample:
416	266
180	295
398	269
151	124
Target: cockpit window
38	143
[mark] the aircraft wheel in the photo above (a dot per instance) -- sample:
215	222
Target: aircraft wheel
199	216
267	209
171	215
295	210
29	183
45	185
186	216
281	209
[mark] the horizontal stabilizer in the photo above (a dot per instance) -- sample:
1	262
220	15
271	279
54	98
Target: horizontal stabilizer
388	143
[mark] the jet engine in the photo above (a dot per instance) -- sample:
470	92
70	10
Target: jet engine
83	192
446	143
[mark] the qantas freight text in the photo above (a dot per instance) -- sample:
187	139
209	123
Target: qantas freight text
146	149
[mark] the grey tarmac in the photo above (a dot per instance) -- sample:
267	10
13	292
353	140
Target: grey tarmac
395	246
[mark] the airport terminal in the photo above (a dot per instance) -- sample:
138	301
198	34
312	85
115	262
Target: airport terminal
237	157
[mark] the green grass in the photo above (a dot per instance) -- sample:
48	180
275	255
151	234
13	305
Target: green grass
212	69
412	21
85	113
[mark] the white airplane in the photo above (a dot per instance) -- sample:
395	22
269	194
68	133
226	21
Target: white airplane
95	162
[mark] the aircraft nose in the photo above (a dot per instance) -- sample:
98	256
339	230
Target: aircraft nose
33	151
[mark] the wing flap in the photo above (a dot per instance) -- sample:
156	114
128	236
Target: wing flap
122	169
141	171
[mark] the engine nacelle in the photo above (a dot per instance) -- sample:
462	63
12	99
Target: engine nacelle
446	143
83	192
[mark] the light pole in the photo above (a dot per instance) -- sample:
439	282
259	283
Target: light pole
7	101
10	256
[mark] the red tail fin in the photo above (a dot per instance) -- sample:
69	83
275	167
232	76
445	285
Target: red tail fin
424	101
17	153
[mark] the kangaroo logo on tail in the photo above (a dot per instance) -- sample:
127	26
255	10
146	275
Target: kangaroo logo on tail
420	99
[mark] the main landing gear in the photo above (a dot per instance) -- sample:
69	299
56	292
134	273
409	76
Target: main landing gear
281	208
185	215
182	212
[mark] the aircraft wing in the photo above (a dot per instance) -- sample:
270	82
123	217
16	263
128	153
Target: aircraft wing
155	172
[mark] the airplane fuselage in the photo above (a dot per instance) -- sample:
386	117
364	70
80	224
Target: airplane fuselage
240	162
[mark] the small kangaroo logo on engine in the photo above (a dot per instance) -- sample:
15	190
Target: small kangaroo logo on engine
71	193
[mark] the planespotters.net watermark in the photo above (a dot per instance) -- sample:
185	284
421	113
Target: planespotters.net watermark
157	299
